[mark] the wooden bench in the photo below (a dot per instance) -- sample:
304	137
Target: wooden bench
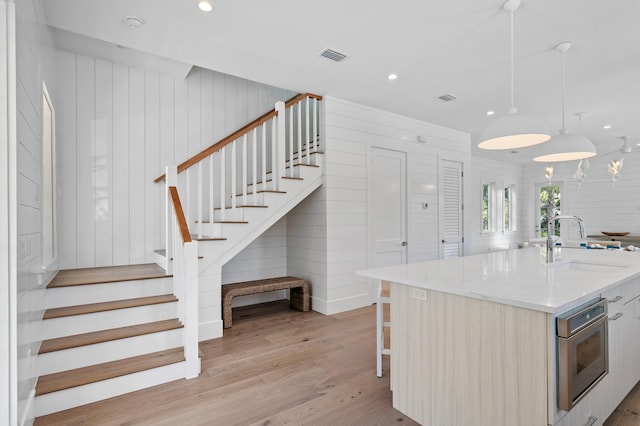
298	298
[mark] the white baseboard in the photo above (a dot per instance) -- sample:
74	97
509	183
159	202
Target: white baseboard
342	305
210	330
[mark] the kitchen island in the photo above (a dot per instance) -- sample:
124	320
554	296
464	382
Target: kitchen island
473	339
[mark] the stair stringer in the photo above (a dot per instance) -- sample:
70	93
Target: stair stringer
216	253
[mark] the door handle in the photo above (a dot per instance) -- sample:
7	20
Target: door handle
443	241
404	244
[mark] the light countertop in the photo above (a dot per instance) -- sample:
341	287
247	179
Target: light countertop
520	277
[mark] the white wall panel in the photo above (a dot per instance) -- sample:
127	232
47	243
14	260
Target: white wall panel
152	166
119	126
34	66
103	162
67	158
137	207
335	217
85	157
121	166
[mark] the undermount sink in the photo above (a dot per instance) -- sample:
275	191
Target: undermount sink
588	267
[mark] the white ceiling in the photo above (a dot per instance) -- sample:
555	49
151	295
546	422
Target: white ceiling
436	47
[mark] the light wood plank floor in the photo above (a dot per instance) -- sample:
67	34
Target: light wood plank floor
277	366
274	366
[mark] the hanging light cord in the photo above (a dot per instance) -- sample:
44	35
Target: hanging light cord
513	107
564	67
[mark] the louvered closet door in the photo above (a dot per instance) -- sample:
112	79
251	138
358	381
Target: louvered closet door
451	209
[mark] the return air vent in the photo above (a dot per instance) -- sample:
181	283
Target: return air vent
447	97
333	55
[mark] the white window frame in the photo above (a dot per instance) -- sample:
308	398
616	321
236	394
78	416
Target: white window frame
513	225
491	208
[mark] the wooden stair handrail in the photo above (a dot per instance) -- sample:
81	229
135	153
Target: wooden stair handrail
237	134
182	221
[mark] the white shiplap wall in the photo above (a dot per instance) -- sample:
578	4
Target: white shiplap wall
119	126
602	204
265	257
33	67
327	233
501	174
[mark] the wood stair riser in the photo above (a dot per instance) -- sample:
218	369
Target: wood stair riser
83	356
96	293
87	323
86	394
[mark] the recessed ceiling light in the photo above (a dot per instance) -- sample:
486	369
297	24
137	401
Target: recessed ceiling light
606	126
205	5
133	21
392	76
490	112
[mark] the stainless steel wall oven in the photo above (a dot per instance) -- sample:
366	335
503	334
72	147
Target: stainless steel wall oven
583	354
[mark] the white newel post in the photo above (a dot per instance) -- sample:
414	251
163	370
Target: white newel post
281	143
170	179
192	364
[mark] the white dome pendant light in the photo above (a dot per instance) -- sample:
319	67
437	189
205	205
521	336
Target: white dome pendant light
566	146
514	130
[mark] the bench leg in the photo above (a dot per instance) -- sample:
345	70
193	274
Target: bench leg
299	298
226	314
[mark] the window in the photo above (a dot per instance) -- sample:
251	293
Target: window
546	192
508	208
487	207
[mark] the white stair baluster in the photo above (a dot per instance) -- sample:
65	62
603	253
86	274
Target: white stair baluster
299	134
233	178
274	155
264	159
307	129
187	212
200	189
223	182
211	202
316	142
291	141
254	163
244	170
282	140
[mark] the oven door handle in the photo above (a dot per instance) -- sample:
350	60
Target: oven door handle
616	316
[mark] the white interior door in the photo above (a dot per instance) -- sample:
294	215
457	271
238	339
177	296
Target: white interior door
387	217
450	224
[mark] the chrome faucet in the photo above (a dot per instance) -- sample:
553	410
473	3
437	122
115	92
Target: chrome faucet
551	219
581	230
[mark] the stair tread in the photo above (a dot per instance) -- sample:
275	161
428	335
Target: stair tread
60	343
95	373
90	308
107	274
270	191
163	253
204	238
225	221
243	207
302	164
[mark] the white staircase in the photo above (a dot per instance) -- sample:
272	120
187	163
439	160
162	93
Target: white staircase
109	336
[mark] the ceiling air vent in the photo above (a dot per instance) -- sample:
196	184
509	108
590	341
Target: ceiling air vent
333	55
447	97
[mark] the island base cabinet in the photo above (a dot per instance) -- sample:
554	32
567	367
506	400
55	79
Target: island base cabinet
462	361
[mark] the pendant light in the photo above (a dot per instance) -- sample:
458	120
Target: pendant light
514	130
566	146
